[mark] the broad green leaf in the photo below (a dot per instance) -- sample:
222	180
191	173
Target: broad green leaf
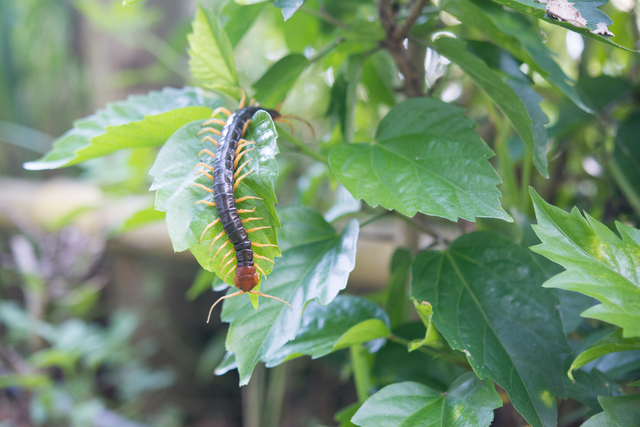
516	34
288	7
277	81
174	175
488	302
346	321
139	219
316	262
379	76
237	20
344	204
140	121
427	158
397	304
211	54
468	402
598	263
587	8
610	344
625	161
587	386
344	415
500	93
619	411
343	95
502	61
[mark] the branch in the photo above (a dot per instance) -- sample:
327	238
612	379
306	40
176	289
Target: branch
414	14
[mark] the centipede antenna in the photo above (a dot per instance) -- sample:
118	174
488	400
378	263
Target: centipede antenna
306	122
269	296
285	121
205	202
220	299
216	121
220	110
202	186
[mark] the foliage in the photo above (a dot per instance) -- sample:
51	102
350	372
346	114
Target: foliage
483	297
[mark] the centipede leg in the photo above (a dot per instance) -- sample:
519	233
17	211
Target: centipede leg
257	228
242	199
261	270
269	296
240	211
220	110
209	129
246	125
235	185
208	227
237	160
204	165
205	202
216	121
211	140
219	249
220	299
243	143
242	100
235	175
263	245
229	272
202	186
207	152
205	174
244	221
264	258
225	257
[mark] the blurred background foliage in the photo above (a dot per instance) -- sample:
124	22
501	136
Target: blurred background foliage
96	325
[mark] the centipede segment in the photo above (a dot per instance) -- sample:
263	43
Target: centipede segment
226	174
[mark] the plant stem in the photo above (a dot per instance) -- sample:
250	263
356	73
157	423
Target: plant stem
451	358
361	375
505	165
422	228
527	164
374	217
301	145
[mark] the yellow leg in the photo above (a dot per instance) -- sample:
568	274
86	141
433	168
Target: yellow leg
257	228
208	152
229	272
205	174
263	257
208	227
262	245
252	102
242	145
220	299
214	130
235	175
242	199
242	101
237	160
204	165
205	202
244	221
261	270
220	110
247	210
211	140
240	179
246	125
225	257
219	249
203	187
214	121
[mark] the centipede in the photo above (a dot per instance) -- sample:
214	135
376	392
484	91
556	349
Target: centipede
230	167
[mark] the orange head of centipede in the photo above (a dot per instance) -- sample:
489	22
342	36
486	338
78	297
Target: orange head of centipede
246	278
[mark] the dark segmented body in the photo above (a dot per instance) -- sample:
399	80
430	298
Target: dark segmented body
223	181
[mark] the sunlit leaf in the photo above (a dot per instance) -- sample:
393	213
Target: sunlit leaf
468	402
140	121
426	157
315	264
488	302
610	344
276	82
598	263
288	7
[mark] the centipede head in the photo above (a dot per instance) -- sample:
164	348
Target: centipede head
246	278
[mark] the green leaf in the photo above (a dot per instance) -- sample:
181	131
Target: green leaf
316	262
619	411
343	95
344	415
397	304
468	402
202	283
288	7
625	161
347	321
500	93
174	175
425	312
427	158
587	386
379	76
139	219
598	263
587	8
488	303
211	54
239	20
516	34
277	81
128	2
610	344
140	121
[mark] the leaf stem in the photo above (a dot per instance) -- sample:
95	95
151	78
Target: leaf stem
421	227
301	145
451	358
374	217
527	164
361	375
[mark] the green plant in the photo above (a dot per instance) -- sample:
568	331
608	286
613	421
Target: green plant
484	299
